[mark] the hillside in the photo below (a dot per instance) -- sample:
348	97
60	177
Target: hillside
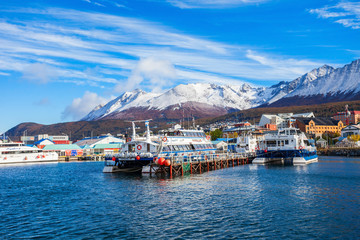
254	114
78	130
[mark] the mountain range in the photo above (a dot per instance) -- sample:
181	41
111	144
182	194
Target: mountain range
321	85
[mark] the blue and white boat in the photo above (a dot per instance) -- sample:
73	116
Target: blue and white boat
288	145
134	154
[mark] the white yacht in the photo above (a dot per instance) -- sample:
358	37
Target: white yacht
19	153
288	145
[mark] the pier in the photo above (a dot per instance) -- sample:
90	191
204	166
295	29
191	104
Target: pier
195	164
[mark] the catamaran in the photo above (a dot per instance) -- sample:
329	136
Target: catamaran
14	152
288	145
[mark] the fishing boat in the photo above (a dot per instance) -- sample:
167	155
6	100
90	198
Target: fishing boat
288	145
14	152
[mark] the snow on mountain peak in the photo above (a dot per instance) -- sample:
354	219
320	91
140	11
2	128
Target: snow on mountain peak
323	80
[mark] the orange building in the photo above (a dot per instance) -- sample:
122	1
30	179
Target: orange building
354	117
318	126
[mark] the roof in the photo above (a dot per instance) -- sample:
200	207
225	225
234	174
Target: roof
94	140
42	140
217	142
61	147
109	145
322	121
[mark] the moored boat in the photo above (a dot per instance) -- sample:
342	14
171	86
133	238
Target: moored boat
288	145
11	153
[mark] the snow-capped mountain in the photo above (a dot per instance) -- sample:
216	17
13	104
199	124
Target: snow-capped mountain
323	84
197	96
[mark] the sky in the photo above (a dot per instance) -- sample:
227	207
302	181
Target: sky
60	59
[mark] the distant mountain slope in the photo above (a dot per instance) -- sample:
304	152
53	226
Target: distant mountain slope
324	84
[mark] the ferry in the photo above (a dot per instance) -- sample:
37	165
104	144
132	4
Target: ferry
288	145
13	153
138	153
134	154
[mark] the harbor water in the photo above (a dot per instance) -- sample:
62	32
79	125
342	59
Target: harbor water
77	201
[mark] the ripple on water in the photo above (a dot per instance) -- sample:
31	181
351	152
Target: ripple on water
78	201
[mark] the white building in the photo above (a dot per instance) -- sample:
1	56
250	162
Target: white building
91	142
281	120
350	130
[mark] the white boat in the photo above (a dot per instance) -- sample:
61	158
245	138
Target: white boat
134	154
19	153
246	144
288	145
140	151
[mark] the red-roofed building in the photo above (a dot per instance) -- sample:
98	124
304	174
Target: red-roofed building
353	119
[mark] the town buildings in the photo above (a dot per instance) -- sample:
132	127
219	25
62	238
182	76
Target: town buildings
319	126
353	118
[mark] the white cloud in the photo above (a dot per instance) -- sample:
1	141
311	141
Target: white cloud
82	106
71	41
40	73
42	102
151	72
212	3
345	13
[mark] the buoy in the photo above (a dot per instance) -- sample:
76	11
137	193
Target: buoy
155	159
137	157
25	158
161	161
164	139
139	147
265	150
167	163
208	137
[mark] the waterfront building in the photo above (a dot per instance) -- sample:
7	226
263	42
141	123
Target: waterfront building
350	130
90	142
43	142
354	117
64	150
319	126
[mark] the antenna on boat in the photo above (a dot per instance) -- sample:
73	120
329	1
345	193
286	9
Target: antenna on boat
147	129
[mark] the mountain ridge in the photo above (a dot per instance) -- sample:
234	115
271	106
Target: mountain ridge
323	84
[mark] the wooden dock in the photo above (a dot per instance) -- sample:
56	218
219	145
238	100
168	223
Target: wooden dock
196	164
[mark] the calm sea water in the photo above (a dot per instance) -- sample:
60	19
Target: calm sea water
78	201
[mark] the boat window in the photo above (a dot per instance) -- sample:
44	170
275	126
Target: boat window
286	142
282	132
292	132
271	143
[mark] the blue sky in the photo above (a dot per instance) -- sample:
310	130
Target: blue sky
59	59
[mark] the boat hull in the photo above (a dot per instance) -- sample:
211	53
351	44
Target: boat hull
291	157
